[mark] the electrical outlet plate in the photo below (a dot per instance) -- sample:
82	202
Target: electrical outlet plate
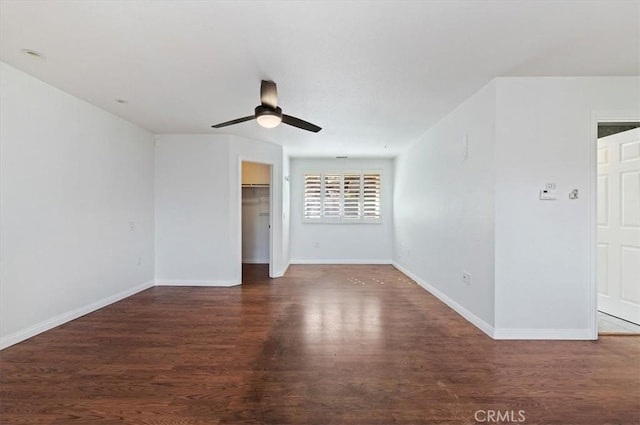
466	278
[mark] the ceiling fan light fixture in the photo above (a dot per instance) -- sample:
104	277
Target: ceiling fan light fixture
268	118
269	121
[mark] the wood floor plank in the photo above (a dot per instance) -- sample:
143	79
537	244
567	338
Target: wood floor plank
323	345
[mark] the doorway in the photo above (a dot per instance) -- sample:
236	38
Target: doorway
618	228
256	219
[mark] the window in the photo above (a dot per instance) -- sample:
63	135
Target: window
344	197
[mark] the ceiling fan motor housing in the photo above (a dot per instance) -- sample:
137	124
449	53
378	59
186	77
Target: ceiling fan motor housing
268	117
264	110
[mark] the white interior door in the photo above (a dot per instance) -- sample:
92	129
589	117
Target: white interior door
618	236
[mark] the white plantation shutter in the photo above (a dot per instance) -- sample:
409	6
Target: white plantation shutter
352	195
332	199
371	196
312	196
342	197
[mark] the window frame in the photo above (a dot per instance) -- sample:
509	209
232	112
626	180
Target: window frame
322	219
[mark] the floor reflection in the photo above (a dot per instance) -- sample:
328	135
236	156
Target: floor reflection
327	323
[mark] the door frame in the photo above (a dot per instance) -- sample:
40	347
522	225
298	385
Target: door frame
241	159
596	118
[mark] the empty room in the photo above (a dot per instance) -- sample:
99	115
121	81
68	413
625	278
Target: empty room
319	212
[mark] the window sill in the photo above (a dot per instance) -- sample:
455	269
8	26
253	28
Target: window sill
342	222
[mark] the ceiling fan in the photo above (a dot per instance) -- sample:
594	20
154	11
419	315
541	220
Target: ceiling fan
269	114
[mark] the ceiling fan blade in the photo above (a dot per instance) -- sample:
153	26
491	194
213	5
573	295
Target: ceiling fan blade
232	122
269	94
297	122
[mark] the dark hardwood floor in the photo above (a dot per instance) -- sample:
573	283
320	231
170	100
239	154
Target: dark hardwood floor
323	345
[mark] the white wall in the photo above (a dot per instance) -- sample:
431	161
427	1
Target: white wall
72	178
192	210
198	207
545	134
341	243
443	208
531	261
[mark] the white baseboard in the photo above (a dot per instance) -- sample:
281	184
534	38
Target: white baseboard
475	320
501	333
255	261
34	330
563	334
341	261
212	283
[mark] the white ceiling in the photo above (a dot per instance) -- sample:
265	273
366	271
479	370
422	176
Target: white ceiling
375	75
